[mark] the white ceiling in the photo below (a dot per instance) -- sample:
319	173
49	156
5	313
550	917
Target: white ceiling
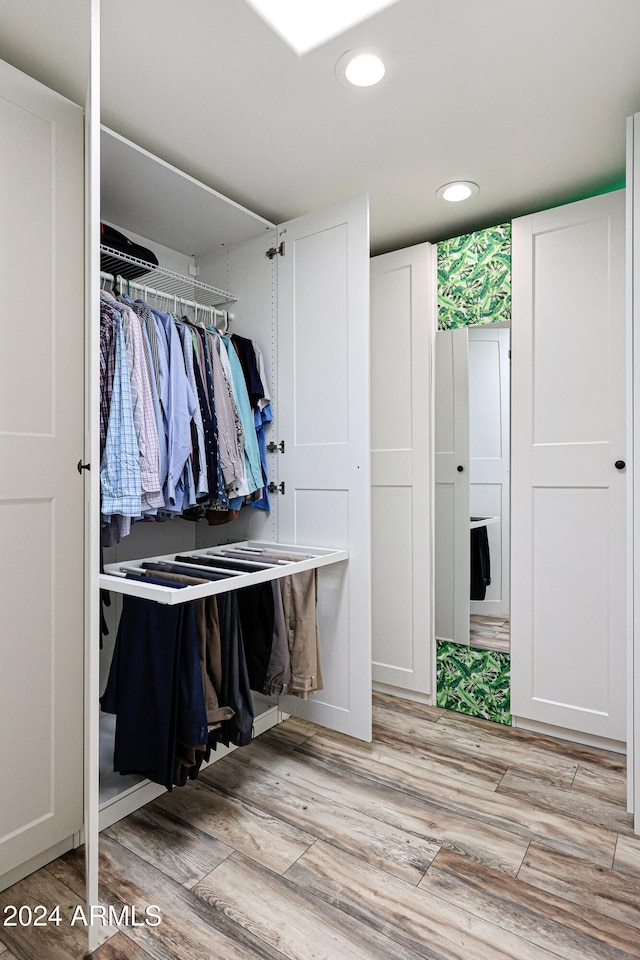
526	97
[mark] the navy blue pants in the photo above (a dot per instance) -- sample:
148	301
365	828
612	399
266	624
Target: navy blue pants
155	688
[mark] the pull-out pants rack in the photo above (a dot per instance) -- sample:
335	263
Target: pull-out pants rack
236	565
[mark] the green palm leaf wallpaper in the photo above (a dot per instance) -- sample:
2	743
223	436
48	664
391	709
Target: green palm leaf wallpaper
476	682
474	278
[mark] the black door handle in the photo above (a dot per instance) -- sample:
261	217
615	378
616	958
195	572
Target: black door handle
619	464
460	468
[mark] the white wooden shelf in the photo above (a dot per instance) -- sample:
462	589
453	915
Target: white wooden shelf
114	576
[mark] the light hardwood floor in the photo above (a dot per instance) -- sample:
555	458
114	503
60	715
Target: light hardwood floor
489	633
447	838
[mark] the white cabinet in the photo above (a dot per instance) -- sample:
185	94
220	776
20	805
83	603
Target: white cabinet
41	441
307	305
569	483
316	347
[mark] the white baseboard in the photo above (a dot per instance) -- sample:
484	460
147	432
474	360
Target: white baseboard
414	695
562	733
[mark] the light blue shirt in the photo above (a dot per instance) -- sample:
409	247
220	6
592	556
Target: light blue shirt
179	405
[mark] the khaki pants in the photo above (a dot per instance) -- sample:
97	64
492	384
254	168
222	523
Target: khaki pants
299	599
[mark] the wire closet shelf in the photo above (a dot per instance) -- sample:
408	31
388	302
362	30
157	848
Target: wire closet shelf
163	281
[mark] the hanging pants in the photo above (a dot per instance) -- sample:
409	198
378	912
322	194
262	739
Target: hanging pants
155	688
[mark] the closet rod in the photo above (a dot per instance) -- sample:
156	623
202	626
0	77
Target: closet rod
127	286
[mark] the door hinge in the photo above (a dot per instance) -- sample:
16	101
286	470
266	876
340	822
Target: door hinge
276	487
276	251
273	447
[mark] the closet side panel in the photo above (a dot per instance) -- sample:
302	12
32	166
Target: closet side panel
41	491
252	276
402	323
323	411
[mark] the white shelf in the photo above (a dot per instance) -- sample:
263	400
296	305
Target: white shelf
475	522
114	578
172	283
143	194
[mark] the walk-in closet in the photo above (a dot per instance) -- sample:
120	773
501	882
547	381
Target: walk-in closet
429	480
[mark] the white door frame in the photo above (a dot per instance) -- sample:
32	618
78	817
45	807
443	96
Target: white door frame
92	477
402	314
451	484
633	474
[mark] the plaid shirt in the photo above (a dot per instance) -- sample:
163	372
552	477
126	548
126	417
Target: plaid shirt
109	320
144	417
120	463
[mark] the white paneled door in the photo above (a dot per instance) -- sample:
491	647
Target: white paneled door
323	417
41	491
451	520
402	308
569	609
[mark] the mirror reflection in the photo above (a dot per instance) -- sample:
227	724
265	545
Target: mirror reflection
472	459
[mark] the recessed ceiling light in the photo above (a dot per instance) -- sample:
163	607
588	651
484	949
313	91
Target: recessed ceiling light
362	68
305	25
457	190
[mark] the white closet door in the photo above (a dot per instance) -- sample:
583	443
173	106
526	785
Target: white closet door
323	417
451	521
402	321
568	597
489	457
41	492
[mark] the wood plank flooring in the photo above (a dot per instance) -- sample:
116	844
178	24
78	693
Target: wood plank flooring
489	633
447	838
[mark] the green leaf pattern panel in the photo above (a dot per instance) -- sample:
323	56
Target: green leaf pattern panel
474	278
476	682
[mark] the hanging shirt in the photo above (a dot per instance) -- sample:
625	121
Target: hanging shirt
204	382
247	356
109	320
157	410
144	416
179	410
120	466
231	459
251	449
262	418
201	481
153	348
266	398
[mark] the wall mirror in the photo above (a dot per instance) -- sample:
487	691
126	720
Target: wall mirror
472	434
